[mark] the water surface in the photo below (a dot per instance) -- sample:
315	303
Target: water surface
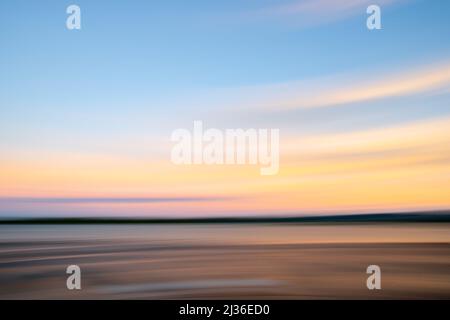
228	261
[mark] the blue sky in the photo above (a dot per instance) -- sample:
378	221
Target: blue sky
141	53
146	50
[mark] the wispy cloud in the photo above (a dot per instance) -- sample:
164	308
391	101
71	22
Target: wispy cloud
338	90
428	139
110	200
315	12
411	82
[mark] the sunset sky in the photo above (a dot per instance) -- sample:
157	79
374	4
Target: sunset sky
86	115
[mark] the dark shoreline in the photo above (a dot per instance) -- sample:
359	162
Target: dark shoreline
407	217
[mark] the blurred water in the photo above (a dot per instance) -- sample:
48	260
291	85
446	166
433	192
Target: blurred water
229	261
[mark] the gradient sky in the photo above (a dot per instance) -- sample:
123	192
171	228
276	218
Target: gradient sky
86	115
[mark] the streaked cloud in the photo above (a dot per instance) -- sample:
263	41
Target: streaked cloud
316	12
109	200
404	138
398	167
337	90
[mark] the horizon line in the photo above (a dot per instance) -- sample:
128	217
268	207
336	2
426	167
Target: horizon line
406	216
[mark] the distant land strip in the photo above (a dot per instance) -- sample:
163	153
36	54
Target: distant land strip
434	216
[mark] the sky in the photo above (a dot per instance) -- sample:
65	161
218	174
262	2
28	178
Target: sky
86	115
